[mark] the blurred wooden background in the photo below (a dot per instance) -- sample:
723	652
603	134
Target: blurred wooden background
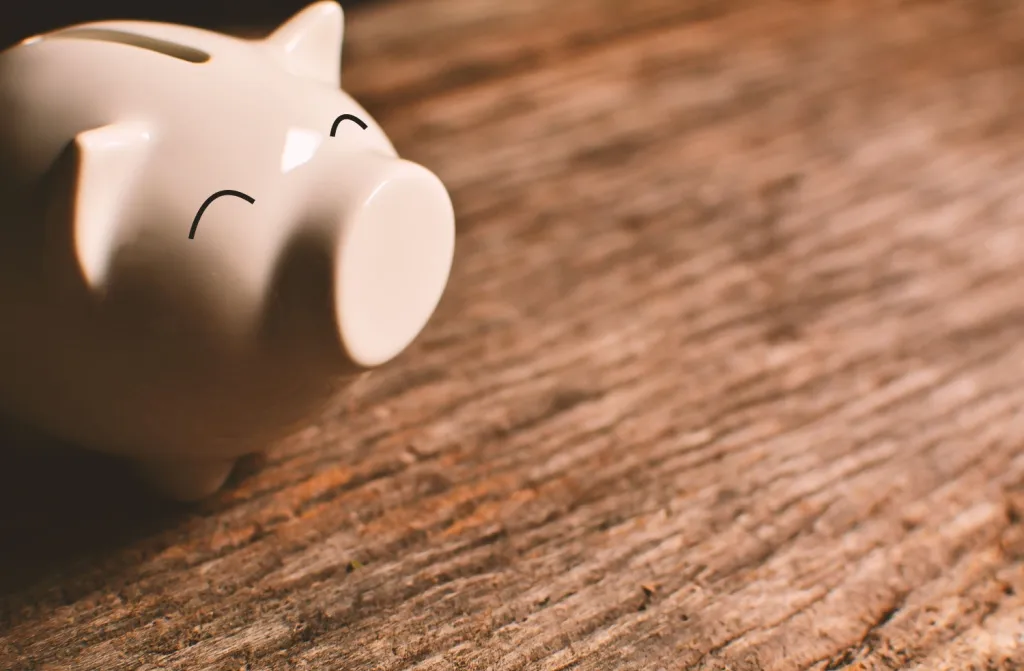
729	375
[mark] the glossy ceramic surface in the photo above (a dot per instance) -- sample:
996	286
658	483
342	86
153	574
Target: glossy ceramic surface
201	235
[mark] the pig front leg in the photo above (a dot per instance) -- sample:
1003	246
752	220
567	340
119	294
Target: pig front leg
185	480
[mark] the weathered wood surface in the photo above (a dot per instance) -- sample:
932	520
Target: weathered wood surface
729	376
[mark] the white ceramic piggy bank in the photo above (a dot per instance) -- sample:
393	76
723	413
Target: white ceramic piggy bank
200	235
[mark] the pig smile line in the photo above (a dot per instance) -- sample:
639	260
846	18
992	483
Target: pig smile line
226	192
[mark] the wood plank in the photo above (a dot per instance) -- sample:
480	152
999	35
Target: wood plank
728	376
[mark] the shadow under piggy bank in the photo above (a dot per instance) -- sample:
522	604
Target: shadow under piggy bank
60	504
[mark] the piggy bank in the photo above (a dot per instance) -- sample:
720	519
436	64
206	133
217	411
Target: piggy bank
201	238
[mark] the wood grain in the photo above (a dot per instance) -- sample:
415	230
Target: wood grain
729	375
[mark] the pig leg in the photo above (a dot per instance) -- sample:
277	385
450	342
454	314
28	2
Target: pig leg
186	480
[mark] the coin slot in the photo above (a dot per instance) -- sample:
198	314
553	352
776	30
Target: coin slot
179	51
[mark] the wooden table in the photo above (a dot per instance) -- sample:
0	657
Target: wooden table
729	374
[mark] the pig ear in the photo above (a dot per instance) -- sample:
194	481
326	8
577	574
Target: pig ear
309	43
106	161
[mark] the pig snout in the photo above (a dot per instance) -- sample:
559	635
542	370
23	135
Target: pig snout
395	244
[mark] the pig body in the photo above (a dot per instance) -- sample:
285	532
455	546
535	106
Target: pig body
201	236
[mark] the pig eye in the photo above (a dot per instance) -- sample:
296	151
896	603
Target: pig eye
347	117
226	192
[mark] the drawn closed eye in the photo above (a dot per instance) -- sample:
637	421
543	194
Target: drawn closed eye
220	194
347	117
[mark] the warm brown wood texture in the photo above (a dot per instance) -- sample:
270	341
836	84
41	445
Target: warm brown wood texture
729	375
